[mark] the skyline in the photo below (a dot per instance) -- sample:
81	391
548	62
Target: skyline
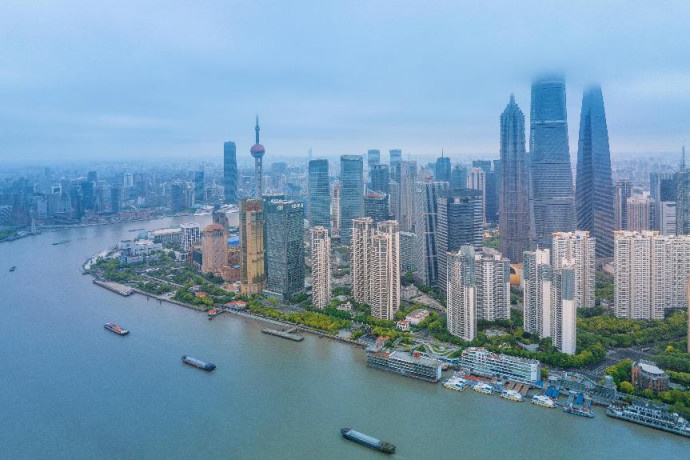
88	86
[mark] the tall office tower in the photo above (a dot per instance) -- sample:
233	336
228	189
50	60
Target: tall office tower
649	273
384	271
115	199
623	192
408	176
335	209
513	215
284	248
199	187
551	194
128	180
214	248
319	201
394	162
662	186
492	274
394	200
320	267
258	151
360	249
537	276
376	206
476	179
663	190
191	235
351	193
458	178
380	178
563	317
666	217
462	294
442	170
683	199
492	182
407	246
593	198
177	196
426	200
459	223
252	249
639	213
580	248
373	157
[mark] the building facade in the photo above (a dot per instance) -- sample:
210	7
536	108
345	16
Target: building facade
580	248
351	193
320	267
481	362
537	276
284	248
376	206
214	248
461	297
319	195
252	249
384	271
563	313
426	199
190	235
360	249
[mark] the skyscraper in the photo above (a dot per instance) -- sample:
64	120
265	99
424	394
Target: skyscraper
252	249
639	213
579	248
551	193
351	193
426	199
199	186
537	276
335	210
462	294
442	173
476	179
492	275
214	248
320	267
319	200
623	192
683	197
284	248
513	196
407	178
458	178
384	271
376	206
360	249
373	157
593	199
258	152
380	178
395	159
563	313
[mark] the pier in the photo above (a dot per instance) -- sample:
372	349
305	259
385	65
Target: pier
288	334
115	287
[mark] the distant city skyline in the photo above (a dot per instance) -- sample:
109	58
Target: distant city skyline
126	82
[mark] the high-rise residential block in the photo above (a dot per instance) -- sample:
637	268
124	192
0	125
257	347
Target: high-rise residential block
214	248
320	267
191	235
360	249
492	274
563	313
514	214
426	200
552	199
284	248
407	180
384	271
351	193
639	213
593	198
319	199
537	275
252	249
462	294
580	248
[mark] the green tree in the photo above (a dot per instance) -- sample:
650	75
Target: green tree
626	387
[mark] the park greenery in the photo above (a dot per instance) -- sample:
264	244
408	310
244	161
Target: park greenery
311	319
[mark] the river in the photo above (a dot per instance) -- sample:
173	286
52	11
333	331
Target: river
70	389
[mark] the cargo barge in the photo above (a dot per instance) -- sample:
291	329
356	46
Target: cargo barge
208	367
414	366
116	329
367	441
651	416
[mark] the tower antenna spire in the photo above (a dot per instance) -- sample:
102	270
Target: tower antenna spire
257	129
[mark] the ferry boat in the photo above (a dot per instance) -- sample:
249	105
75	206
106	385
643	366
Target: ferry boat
512	395
116	329
579	405
544	401
651	416
208	367
13	268
483	388
367	441
61	242
455	383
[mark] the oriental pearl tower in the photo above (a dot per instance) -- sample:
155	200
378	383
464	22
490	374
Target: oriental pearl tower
257	152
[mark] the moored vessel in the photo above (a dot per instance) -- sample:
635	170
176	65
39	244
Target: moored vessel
367	441
579	405
116	329
651	416
512	395
198	363
13	268
544	401
483	388
455	383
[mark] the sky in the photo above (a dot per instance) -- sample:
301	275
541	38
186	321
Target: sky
85	80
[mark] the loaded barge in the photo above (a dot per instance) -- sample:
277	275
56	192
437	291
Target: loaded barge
651	416
116	329
208	367
367	441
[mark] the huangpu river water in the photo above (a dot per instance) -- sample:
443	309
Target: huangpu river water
70	389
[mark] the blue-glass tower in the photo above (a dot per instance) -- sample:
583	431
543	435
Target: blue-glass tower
351	193
319	201
230	172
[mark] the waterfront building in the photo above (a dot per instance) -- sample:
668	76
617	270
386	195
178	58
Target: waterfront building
580	248
320	267
351	193
360	249
258	151
623	192
552	199
563	313
646	375
410	365
476	179
407	247
252	249
166	235
461	290
442	169
137	251
639	213
459	223
376	206
214	248
384	271
284	248
190	235
481	362
492	275
537	276
426	199
650	273
513	213
380	178
319	199
335	210
593	199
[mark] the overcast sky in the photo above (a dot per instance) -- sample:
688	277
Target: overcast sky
136	79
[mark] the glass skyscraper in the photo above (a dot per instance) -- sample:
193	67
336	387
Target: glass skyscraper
351	193
319	200
380	177
442	172
230	172
593	197
551	194
513	197
284	248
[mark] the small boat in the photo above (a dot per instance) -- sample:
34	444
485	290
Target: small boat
13	268
512	395
579	405
61	242
455	383
544	401
483	388
199	364
368	441
116	329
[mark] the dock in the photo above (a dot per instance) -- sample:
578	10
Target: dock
288	334
115	287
